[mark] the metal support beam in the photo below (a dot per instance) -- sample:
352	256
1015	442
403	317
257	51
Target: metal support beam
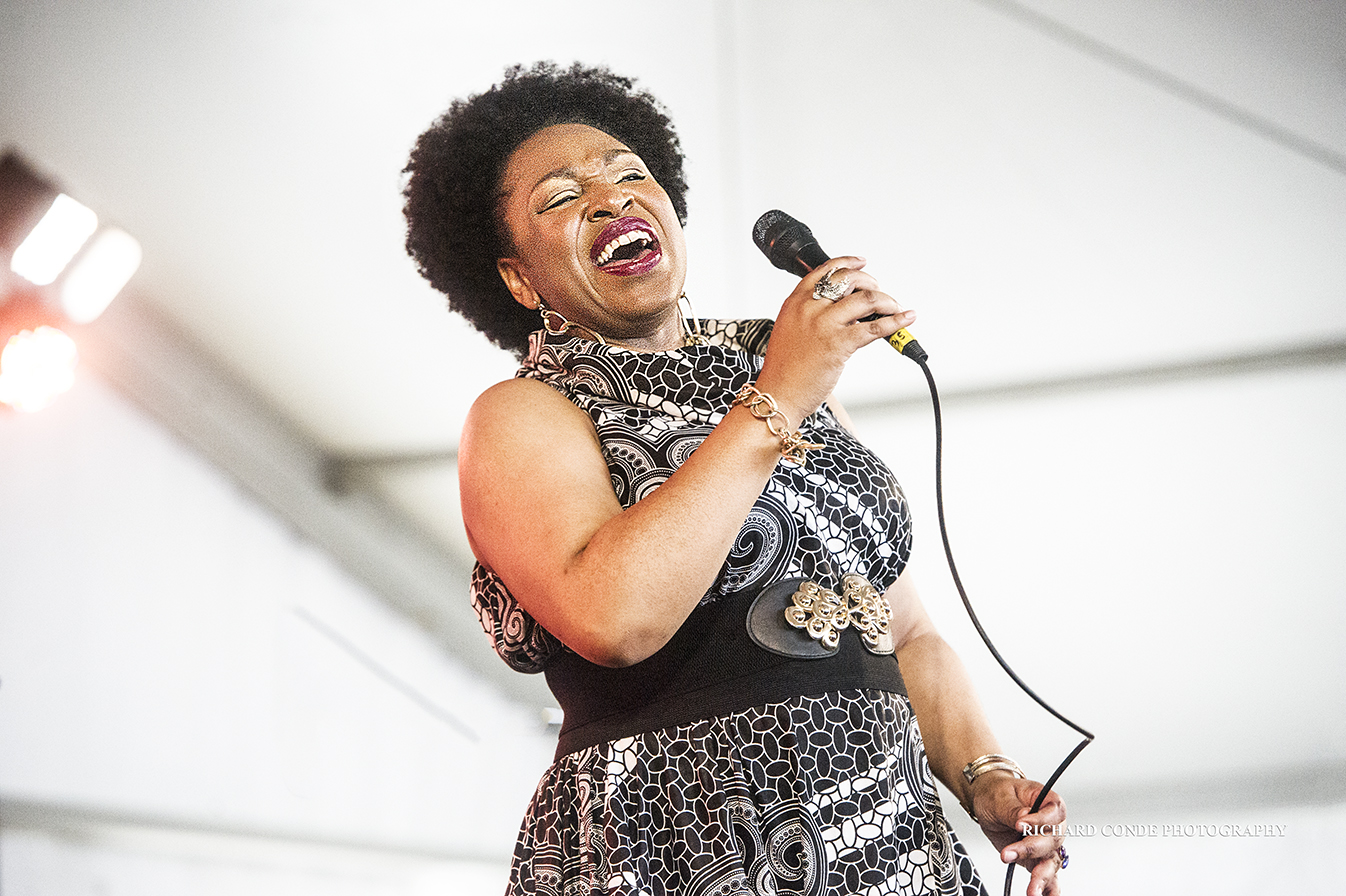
179	835
157	367
1290	357
1170	84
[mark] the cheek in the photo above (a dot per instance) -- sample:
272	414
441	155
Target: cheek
665	205
555	238
546	250
548	253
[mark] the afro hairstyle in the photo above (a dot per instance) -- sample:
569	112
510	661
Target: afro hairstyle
455	169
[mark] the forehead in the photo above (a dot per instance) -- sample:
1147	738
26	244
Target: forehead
556	149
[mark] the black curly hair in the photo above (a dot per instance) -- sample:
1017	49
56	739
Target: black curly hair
455	169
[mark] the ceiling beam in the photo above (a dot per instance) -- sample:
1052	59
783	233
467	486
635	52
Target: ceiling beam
153	364
1169	83
1328	353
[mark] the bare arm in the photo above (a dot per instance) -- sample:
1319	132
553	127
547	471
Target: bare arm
613	584
955	731
842	417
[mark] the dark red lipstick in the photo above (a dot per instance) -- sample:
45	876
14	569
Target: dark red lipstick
625	247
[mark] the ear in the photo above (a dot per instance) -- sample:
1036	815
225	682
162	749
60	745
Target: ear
516	281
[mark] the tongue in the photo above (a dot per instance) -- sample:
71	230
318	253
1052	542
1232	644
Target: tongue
628	251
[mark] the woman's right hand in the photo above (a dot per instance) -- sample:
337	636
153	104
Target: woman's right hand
814	338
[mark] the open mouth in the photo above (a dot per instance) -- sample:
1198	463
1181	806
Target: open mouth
626	246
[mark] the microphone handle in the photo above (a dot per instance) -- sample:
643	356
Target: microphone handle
807	256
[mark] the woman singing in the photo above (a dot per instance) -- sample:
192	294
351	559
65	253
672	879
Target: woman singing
675	525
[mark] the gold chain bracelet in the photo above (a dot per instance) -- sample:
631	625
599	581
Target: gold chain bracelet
763	407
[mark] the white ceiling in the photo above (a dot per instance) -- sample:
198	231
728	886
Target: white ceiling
1001	179
1059	187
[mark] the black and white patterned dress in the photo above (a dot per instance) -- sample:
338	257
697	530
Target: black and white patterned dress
819	791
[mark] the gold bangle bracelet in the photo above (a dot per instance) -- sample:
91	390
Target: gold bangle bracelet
979	767
989	763
763	407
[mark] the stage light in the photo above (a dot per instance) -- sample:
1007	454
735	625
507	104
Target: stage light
36	366
49	233
56	274
99	274
50	245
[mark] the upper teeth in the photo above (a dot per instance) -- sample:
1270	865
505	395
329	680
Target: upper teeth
630	236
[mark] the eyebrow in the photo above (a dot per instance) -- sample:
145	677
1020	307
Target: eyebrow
568	173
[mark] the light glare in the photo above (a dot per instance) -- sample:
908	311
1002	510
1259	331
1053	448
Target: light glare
99	275
36	366
46	251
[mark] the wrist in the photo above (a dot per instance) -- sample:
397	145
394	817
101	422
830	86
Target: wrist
979	790
981	772
793	446
794	398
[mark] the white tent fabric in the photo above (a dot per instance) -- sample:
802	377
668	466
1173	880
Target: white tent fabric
1123	226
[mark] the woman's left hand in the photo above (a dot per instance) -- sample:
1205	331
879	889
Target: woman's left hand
1002	804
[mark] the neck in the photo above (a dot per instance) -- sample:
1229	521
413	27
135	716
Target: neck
660	332
656	333
664	337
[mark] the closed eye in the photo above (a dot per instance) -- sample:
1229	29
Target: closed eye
631	175
558	201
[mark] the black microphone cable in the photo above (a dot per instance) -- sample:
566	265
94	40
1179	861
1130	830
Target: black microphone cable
972	614
790	246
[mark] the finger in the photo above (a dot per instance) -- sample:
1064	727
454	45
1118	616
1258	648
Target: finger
861	323
1052	812
833	267
1031	849
1043	880
869	304
881	326
871	329
841	281
851	262
855	280
1024	794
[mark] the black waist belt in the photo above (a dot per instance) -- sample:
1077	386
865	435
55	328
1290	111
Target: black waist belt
709	668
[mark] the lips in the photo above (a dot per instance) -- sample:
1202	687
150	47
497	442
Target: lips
626	246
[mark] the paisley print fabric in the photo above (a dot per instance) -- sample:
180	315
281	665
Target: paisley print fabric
826	794
842	513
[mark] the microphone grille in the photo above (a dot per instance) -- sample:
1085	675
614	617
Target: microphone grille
787	243
774	220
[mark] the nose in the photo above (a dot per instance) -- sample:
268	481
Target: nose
608	201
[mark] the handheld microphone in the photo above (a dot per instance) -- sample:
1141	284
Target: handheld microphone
790	245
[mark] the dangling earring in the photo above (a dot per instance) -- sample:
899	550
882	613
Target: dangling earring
557	324
691	334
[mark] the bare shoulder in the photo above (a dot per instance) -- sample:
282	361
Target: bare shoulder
525	442
522	414
518	395
531	472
